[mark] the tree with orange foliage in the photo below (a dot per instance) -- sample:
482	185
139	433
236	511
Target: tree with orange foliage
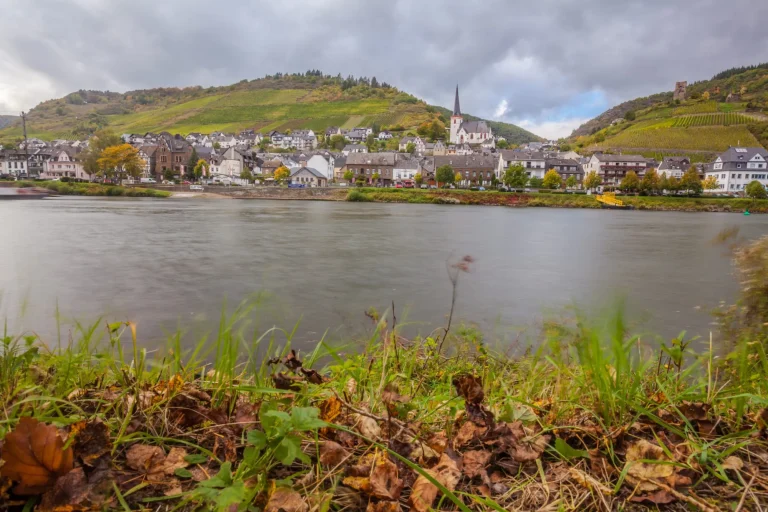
282	173
117	162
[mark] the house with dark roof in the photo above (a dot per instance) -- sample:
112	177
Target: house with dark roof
173	154
566	168
64	164
735	168
354	148
475	169
366	165
308	177
534	162
674	166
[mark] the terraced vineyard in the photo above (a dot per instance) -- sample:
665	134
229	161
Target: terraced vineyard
705	138
731	118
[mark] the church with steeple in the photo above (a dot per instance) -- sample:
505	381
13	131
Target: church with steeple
468	132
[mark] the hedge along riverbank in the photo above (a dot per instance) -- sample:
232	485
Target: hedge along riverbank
92	189
557	200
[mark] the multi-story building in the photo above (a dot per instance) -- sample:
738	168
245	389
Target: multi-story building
368	164
613	168
474	169
64	164
172	153
566	168
534	162
737	167
13	163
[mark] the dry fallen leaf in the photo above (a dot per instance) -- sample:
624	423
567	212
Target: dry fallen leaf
660	497
424	492
474	462
332	454
384	481
351	387
152	461
640	473
529	449
469	387
694	411
292	362
367	426
145	458
468	432
175	460
384	506
91	440
286	500
733	463
35	457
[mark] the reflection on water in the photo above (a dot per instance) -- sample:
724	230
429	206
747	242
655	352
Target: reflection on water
169	263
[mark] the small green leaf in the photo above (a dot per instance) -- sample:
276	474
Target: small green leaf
183	473
288	449
196	458
257	438
222	479
306	418
231	495
275	422
114	326
567	452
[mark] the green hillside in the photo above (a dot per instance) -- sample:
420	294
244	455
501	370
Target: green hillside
7	120
729	110
279	102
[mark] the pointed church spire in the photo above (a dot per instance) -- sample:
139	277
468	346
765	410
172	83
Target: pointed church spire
456	107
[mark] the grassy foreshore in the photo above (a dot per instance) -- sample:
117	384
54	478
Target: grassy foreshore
92	189
594	419
554	200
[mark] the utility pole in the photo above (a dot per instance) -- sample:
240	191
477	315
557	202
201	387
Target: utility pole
26	145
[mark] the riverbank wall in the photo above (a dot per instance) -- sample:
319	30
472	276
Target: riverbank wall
482	198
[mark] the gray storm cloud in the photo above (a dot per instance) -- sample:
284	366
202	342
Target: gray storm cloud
538	57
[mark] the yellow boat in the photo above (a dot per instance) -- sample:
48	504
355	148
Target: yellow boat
608	200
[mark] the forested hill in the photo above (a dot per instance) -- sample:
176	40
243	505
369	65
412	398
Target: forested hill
275	102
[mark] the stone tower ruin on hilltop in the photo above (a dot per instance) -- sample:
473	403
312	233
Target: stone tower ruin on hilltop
679	93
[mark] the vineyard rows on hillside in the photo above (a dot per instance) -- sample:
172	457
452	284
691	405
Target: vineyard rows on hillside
728	119
707	138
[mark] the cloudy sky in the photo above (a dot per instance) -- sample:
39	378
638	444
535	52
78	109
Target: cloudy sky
546	65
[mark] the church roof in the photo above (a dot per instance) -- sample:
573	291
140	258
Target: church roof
475	127
456	106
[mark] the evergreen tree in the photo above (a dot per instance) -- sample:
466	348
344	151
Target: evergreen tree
189	170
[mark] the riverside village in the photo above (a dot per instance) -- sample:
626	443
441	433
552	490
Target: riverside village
468	152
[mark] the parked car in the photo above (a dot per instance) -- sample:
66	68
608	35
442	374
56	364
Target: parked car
185	182
424	185
295	185
398	185
148	180
196	187
481	189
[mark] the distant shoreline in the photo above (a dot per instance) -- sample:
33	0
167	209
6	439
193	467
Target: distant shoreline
481	198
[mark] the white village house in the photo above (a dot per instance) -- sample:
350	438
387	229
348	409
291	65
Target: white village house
64	165
737	167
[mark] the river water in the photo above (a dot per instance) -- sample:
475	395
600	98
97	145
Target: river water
170	263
